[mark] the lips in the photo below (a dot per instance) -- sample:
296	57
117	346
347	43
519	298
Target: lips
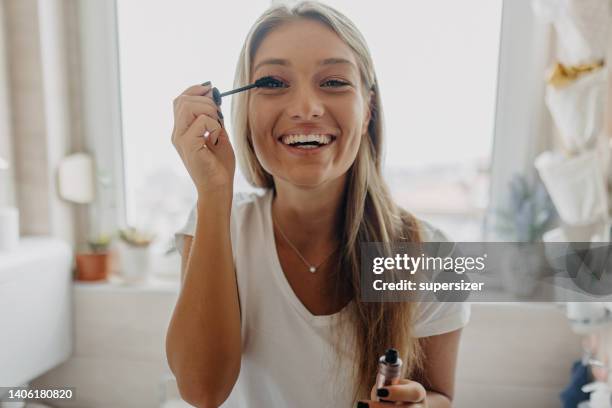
312	135
307	140
311	139
305	149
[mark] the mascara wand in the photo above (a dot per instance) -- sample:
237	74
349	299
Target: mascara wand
260	82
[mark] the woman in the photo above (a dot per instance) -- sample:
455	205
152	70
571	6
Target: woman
269	314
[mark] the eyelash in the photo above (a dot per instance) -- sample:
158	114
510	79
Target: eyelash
277	81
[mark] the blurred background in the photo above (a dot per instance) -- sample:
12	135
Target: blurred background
497	128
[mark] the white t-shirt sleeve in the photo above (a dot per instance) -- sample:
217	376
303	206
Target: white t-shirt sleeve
433	318
190	225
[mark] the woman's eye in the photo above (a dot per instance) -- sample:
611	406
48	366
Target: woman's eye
274	83
335	83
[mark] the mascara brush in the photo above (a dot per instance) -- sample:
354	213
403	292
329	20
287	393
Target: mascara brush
259	83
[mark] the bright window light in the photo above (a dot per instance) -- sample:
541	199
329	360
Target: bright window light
436	62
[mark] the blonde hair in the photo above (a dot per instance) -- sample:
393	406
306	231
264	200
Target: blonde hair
371	213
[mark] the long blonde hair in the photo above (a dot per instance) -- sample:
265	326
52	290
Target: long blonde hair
371	214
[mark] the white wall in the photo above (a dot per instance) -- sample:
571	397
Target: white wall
7	192
515	355
38	89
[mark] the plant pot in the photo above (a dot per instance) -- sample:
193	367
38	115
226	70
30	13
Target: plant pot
92	266
134	262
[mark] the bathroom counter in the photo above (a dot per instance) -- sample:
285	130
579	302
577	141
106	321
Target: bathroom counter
115	284
35	308
32	250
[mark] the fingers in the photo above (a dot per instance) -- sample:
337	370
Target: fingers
406	391
203	130
194	101
188	107
195	90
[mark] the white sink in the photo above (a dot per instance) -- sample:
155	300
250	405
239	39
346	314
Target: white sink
35	309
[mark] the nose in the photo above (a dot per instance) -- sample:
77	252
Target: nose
305	104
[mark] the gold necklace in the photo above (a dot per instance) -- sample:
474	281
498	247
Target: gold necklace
311	268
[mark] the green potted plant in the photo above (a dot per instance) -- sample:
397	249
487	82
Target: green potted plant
94	263
529	214
134	255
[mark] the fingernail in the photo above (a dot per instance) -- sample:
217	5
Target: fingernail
217	96
382	392
220	114
362	404
206	83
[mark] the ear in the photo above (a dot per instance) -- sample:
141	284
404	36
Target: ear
368	112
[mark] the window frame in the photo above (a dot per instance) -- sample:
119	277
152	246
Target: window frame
101	103
520	110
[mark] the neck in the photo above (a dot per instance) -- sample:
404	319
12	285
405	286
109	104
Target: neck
309	216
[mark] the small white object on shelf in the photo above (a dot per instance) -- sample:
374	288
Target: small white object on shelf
588	317
134	262
586	311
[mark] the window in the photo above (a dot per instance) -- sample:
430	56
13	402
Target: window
436	63
176	45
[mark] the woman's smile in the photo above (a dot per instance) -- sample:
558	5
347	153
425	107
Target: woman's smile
308	148
307	141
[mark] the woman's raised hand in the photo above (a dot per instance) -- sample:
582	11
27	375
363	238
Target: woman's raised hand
200	138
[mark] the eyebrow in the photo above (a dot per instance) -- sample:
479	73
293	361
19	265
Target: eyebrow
286	63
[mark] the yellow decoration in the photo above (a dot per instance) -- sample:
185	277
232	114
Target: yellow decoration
561	75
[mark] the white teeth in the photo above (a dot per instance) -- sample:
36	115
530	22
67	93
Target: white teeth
292	139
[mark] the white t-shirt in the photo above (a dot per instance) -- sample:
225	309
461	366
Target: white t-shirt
288	354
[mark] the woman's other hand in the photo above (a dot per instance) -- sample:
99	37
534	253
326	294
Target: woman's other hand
407	393
209	160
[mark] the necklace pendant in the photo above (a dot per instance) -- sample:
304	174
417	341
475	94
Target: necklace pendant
313	269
